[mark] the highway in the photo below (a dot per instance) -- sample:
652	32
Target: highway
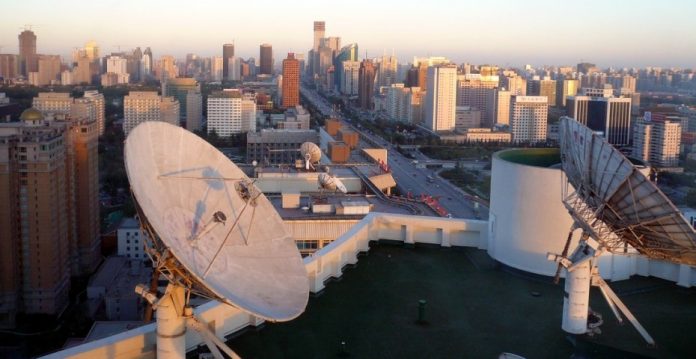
407	176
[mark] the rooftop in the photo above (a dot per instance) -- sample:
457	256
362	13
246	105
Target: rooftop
475	308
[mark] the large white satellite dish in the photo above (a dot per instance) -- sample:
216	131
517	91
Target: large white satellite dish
330	182
212	232
618	209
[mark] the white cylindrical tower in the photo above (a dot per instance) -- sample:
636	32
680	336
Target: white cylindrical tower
576	299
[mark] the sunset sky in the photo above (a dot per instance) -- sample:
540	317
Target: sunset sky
609	33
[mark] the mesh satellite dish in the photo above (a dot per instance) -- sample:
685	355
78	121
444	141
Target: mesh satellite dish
210	232
618	210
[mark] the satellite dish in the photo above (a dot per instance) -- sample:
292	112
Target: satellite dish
311	154
330	182
211	231
254	163
617	208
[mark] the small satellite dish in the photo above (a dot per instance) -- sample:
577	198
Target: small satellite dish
254	163
330	182
311	154
211	230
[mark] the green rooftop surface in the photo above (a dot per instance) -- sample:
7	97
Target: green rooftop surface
475	309
538	157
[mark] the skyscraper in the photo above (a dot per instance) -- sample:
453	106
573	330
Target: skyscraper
366	84
28	61
291	82
528	120
227	53
319	30
347	53
179	89
603	113
9	66
441	98
266	59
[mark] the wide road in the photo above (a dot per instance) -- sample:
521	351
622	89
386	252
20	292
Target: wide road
407	176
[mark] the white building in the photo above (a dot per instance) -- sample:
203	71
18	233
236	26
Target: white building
141	106
66	77
386	71
130	240
98	99
225	112
403	104
350	78
58	103
145	69
118	66
441	98
529	115
502	107
657	142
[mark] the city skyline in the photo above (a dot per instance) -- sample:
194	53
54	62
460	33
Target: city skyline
507	33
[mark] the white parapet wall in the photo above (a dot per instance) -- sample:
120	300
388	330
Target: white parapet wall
324	264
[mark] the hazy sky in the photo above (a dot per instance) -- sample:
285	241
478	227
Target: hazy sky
504	32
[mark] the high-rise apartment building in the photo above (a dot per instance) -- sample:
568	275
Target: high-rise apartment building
387	70
99	106
542	87
441	98
657	142
350	78
479	91
266	59
404	104
28	61
528	118
48	210
116	68
366	84
142	106
225	112
603	113
291	82
466	118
